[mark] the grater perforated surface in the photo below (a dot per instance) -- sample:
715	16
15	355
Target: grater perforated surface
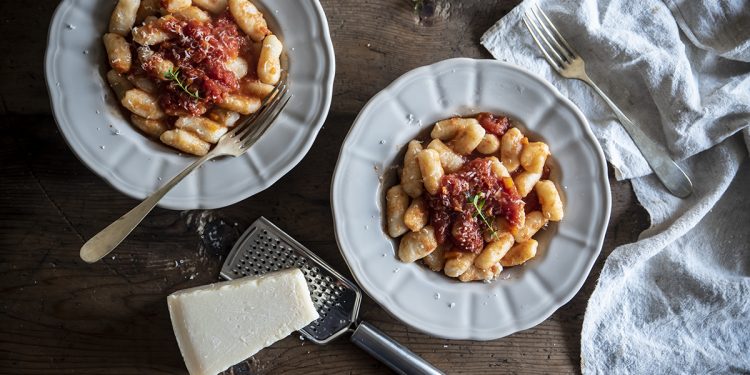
265	248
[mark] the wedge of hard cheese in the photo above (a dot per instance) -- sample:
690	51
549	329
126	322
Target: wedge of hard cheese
219	325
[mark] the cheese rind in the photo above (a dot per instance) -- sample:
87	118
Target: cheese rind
221	324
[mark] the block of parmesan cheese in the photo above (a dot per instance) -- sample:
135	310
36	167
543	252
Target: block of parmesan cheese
222	324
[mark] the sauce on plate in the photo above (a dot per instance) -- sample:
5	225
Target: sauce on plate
466	199
200	51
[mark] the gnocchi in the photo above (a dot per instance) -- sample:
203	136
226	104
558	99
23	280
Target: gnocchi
152	128
142	104
411	174
448	129
417	215
498	168
185	141
461	205
474	273
239	67
533	156
120	85
249	18
188	70
494	251
202	127
152	32
431	169
534	222
520	253
549	199
510	149
416	245
269	62
436	259
143	83
118	52
525	182
449	159
224	117
458	264
257	88
123	17
468	139
174	6
397	202
239	103
148	8
213	6
489	144
192	13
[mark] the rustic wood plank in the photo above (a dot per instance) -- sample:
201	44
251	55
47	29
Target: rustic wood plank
24	31
60	315
111	317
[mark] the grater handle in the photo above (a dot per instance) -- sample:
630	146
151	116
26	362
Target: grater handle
400	359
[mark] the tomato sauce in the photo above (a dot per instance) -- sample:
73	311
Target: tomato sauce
200	51
463	195
496	125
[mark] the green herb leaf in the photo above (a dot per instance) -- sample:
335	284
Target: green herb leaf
173	74
478	201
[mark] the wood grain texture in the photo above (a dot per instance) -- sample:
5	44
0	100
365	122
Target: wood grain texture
59	315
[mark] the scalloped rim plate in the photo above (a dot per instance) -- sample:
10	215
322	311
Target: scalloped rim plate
94	126
428	301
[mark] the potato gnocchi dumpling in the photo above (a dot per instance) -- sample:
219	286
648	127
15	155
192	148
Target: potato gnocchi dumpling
472	197
187	70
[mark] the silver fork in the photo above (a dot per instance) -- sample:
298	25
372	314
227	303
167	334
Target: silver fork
234	143
566	61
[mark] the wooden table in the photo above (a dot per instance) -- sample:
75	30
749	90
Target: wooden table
59	315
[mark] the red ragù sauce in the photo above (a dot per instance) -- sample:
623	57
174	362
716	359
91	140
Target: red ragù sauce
496	125
200	51
455	218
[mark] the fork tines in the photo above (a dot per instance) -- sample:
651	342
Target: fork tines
256	124
555	48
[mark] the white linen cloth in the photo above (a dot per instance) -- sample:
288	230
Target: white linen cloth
678	299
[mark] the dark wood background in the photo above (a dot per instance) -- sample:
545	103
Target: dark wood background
59	315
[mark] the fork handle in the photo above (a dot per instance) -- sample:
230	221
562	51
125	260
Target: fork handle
385	349
669	173
107	240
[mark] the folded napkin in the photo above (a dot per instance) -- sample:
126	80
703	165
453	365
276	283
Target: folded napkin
678	299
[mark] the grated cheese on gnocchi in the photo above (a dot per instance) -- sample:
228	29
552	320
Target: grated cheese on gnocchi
471	199
187	70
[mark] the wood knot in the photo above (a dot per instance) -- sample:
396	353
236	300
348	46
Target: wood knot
430	11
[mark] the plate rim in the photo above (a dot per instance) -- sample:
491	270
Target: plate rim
327	82
556	304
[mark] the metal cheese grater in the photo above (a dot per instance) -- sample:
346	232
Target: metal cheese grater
265	248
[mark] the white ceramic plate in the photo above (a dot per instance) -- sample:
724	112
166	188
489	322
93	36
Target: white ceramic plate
428	301
93	124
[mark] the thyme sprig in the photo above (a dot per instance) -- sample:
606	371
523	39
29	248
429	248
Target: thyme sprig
478	201
173	74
